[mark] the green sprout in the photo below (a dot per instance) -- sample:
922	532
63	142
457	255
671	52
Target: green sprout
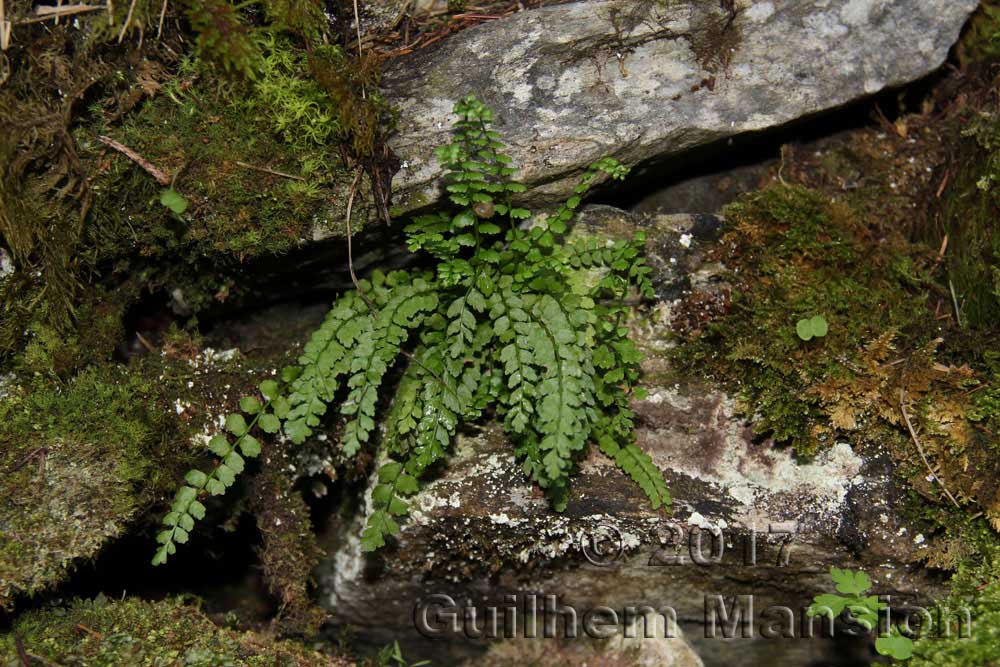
813	327
174	200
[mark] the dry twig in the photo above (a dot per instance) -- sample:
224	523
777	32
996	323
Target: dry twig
148	166
920	448
350	251
50	12
163	15
4	26
128	21
270	171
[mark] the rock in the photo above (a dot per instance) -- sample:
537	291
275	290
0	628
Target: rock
707	193
571	83
6	264
617	651
752	527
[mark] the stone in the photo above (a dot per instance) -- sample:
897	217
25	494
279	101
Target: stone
6	264
752	527
571	83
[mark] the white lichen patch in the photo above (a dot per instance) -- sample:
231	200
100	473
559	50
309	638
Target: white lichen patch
763	478
759	12
6	264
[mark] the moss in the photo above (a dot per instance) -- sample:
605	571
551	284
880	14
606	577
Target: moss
794	253
975	587
81	458
136	632
86	457
254	144
227	146
289	552
969	210
800	256
981	40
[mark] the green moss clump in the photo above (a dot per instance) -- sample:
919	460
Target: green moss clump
251	157
981	41
80	458
799	255
139	633
975	587
969	211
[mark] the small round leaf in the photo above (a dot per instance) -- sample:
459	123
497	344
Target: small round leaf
804	329
819	326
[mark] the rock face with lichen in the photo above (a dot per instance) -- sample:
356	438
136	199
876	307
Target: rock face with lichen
748	519
638	80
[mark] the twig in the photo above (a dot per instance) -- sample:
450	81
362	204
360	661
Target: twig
40	452
920	449
128	21
944	183
49	12
357	26
44	661
21	653
4	26
954	300
145	343
944	248
270	171
111	12
148	166
90	631
163	15
350	251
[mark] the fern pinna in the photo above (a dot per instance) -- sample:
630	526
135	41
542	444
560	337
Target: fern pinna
511	322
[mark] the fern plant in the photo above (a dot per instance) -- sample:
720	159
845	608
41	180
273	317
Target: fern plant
511	322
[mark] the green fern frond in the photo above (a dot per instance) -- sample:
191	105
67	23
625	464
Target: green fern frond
187	506
512	318
375	353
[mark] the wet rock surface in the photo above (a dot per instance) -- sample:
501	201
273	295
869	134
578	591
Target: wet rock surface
574	82
751	525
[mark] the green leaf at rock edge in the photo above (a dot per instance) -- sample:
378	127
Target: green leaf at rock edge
219	445
819	326
826	604
895	646
196	478
197	510
269	389
290	373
